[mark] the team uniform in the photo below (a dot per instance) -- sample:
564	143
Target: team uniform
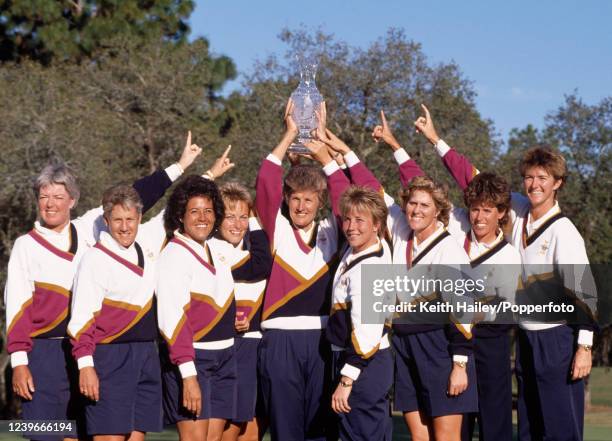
114	329
250	267
555	262
40	276
491	341
361	351
294	358
196	312
425	351
499	264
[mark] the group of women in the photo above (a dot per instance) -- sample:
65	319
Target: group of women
259	303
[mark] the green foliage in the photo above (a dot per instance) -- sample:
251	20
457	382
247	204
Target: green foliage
583	134
113	120
47	30
392	73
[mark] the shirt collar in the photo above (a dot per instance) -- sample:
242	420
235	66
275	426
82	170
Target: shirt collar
111	243
198	248
534	225
418	247
44	231
487	246
370	249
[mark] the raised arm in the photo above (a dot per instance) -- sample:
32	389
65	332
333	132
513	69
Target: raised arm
258	262
359	173
151	188
269	184
408	168
337	182
458	165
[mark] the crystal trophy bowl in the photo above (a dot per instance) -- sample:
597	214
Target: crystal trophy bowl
306	99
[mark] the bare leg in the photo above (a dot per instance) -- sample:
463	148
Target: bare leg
192	430
448	427
110	437
136	436
251	431
215	429
232	431
419	426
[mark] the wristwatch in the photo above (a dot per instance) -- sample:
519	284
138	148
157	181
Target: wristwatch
586	347
461	364
344	383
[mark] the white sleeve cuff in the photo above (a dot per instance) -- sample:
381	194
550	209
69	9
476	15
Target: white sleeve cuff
350	371
442	148
401	156
19	358
174	171
330	168
273	159
254	224
460	358
584	337
351	158
85	361
188	369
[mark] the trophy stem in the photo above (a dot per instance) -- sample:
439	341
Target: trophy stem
299	148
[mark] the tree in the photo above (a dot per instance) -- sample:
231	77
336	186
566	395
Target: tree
112	120
392	73
583	134
47	30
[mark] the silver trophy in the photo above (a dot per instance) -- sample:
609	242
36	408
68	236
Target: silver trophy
306	99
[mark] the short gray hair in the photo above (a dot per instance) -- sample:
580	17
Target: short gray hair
59	174
120	194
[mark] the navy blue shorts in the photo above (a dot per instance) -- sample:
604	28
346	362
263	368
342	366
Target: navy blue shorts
57	395
246	362
423	364
217	378
130	390
370	415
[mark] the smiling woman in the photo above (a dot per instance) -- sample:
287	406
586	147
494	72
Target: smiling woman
196	314
122	213
58	193
39	288
297	299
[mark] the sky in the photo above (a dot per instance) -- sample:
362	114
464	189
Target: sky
522	56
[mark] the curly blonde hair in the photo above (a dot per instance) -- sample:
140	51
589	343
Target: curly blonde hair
438	192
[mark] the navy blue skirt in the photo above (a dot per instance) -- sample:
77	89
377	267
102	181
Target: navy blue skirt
130	390
56	381
217	377
370	415
423	365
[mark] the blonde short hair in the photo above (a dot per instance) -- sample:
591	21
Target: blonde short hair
233	192
365	200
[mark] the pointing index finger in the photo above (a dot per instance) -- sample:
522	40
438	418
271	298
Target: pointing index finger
226	152
383	119
427	115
